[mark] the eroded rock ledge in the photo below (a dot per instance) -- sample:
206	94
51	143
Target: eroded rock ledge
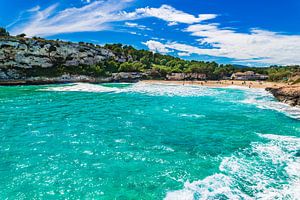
21	58
288	94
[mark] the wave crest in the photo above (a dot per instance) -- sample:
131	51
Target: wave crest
144	88
264	100
265	171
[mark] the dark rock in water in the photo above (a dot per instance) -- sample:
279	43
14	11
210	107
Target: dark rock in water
288	94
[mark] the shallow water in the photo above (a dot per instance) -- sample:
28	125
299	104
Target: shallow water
147	141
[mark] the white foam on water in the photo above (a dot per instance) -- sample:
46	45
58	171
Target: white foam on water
171	90
258	97
88	152
238	87
145	88
82	87
264	100
268	170
217	186
192	115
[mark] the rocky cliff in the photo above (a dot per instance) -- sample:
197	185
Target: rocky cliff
288	94
20	56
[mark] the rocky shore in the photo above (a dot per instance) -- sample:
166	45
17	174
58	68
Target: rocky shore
129	77
287	94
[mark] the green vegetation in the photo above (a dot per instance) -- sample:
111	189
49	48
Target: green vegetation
161	65
3	32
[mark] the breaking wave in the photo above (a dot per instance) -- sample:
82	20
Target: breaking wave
82	87
264	100
258	97
145	88
268	170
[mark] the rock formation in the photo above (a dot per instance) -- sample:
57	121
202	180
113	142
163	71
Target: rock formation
19	55
288	94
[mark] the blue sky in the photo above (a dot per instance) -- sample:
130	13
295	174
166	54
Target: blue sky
248	32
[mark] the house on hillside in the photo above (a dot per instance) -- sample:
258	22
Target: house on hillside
186	76
248	75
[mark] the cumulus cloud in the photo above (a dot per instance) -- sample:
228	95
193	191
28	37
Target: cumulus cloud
173	16
183	49
156	46
255	46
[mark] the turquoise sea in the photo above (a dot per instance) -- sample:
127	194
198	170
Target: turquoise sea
147	141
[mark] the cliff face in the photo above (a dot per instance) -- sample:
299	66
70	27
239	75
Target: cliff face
18	55
289	94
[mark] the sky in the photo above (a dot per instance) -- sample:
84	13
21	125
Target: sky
248	32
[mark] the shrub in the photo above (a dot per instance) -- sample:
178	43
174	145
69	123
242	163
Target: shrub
3	32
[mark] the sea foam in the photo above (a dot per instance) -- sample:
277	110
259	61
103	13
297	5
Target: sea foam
264	100
144	88
258	97
252	173
82	87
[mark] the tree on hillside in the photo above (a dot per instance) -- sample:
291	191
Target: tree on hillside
3	32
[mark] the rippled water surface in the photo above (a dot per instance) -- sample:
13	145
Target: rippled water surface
147	141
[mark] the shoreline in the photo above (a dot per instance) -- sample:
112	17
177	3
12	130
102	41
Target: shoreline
210	83
223	83
284	92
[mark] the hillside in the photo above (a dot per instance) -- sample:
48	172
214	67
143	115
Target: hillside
22	58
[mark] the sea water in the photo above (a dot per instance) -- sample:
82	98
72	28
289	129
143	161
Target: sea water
147	141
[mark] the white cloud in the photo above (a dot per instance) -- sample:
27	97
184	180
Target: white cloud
255	46
167	47
134	33
157	47
95	16
258	46
138	26
172	23
170	14
183	54
34	9
86	1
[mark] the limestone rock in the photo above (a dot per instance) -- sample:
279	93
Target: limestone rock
288	94
19	54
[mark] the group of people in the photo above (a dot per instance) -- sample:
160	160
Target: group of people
243	83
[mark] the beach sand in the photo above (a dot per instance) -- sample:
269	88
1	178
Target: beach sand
222	83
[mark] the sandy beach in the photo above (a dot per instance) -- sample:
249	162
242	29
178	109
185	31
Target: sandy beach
223	83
